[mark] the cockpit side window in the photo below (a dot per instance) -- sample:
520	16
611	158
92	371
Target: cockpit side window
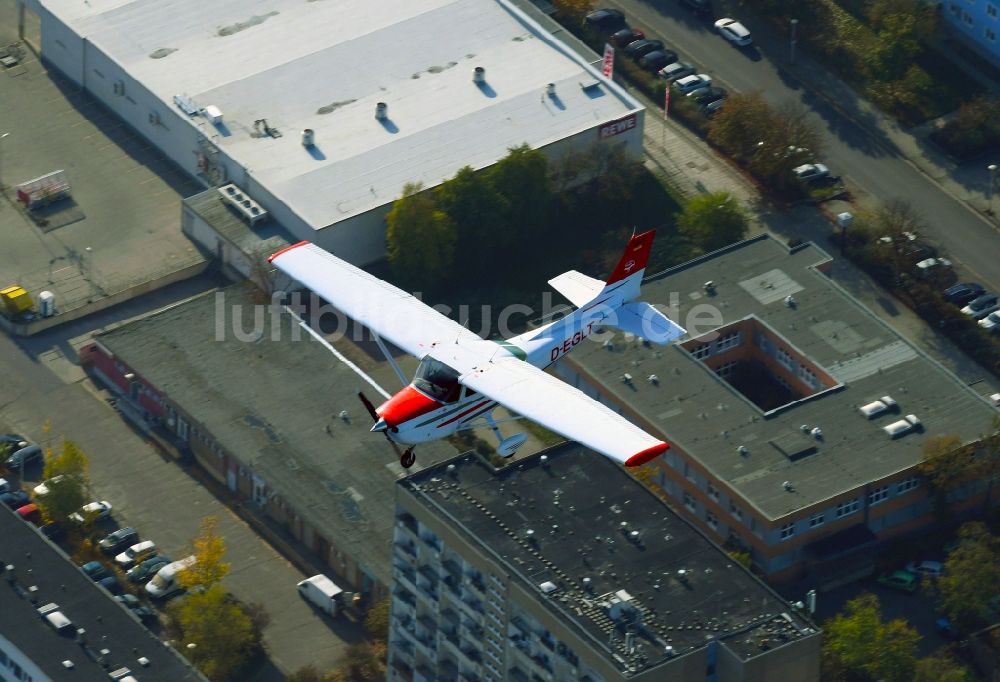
437	380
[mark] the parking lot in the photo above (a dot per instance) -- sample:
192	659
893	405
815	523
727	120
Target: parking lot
120	227
166	504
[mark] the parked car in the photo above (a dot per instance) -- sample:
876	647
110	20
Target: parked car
931	568
90	512
25	456
145	614
53	531
810	172
95	570
904	581
605	19
982	306
654	61
42	489
945	628
706	95
136	553
112	543
147	569
5	486
991	322
734	32
111	584
626	36
30	512
672	72
15	440
130	601
166	581
709	108
323	593
700	6
643	47
15	498
690	83
963	294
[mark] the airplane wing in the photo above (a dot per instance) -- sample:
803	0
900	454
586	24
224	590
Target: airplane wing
393	314
556	405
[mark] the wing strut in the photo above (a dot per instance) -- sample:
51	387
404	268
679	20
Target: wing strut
357	370
392	361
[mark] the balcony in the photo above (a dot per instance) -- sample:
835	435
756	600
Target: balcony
407	547
407	577
426	626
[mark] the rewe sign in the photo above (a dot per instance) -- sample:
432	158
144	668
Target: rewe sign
622	125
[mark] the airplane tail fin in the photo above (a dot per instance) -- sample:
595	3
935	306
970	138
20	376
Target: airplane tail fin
638	317
631	316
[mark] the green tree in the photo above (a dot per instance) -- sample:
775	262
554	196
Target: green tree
362	662
859	645
222	633
745	127
712	220
987	462
67	482
308	673
945	465
377	620
476	209
421	238
523	178
941	668
209	548
573	9
970	570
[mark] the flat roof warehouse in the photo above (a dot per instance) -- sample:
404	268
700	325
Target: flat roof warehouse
325	65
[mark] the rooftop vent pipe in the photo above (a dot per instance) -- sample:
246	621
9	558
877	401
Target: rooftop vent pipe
478	75
381	111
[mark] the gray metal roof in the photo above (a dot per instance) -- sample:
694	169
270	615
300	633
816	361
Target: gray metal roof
325	65
709	420
591	520
274	403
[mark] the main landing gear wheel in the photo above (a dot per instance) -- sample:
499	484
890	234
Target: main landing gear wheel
407	459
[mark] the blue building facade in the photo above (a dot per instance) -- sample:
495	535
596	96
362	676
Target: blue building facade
979	20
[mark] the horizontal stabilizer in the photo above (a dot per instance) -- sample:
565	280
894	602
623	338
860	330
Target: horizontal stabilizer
642	319
577	287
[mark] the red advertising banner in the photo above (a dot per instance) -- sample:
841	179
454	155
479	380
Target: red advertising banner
622	125
609	61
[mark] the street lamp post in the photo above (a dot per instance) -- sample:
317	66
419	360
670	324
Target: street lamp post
992	168
791	45
1	159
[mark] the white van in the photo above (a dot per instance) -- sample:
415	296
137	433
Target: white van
165	583
323	593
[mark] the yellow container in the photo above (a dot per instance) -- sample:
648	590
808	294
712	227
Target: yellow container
16	300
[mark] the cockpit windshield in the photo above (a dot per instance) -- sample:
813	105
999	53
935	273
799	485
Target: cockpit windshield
437	380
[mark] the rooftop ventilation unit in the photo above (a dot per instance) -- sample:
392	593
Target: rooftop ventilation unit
213	114
479	75
709	286
550	89
742	450
877	407
381	111
242	204
787	485
308	138
653	379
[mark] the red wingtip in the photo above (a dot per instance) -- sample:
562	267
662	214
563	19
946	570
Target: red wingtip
635	257
274	255
640	458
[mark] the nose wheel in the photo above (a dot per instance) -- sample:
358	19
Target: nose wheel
407	459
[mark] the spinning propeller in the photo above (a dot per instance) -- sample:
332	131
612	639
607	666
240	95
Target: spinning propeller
406	457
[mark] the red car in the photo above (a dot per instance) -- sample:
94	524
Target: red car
30	512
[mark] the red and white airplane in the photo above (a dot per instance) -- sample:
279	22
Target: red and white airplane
461	377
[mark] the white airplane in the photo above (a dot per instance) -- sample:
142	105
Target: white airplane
461	377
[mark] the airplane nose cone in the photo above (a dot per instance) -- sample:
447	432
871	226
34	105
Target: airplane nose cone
380	426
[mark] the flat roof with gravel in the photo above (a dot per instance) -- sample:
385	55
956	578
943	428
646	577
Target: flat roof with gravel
854	359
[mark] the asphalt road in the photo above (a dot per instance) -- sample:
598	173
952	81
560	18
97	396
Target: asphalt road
869	162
